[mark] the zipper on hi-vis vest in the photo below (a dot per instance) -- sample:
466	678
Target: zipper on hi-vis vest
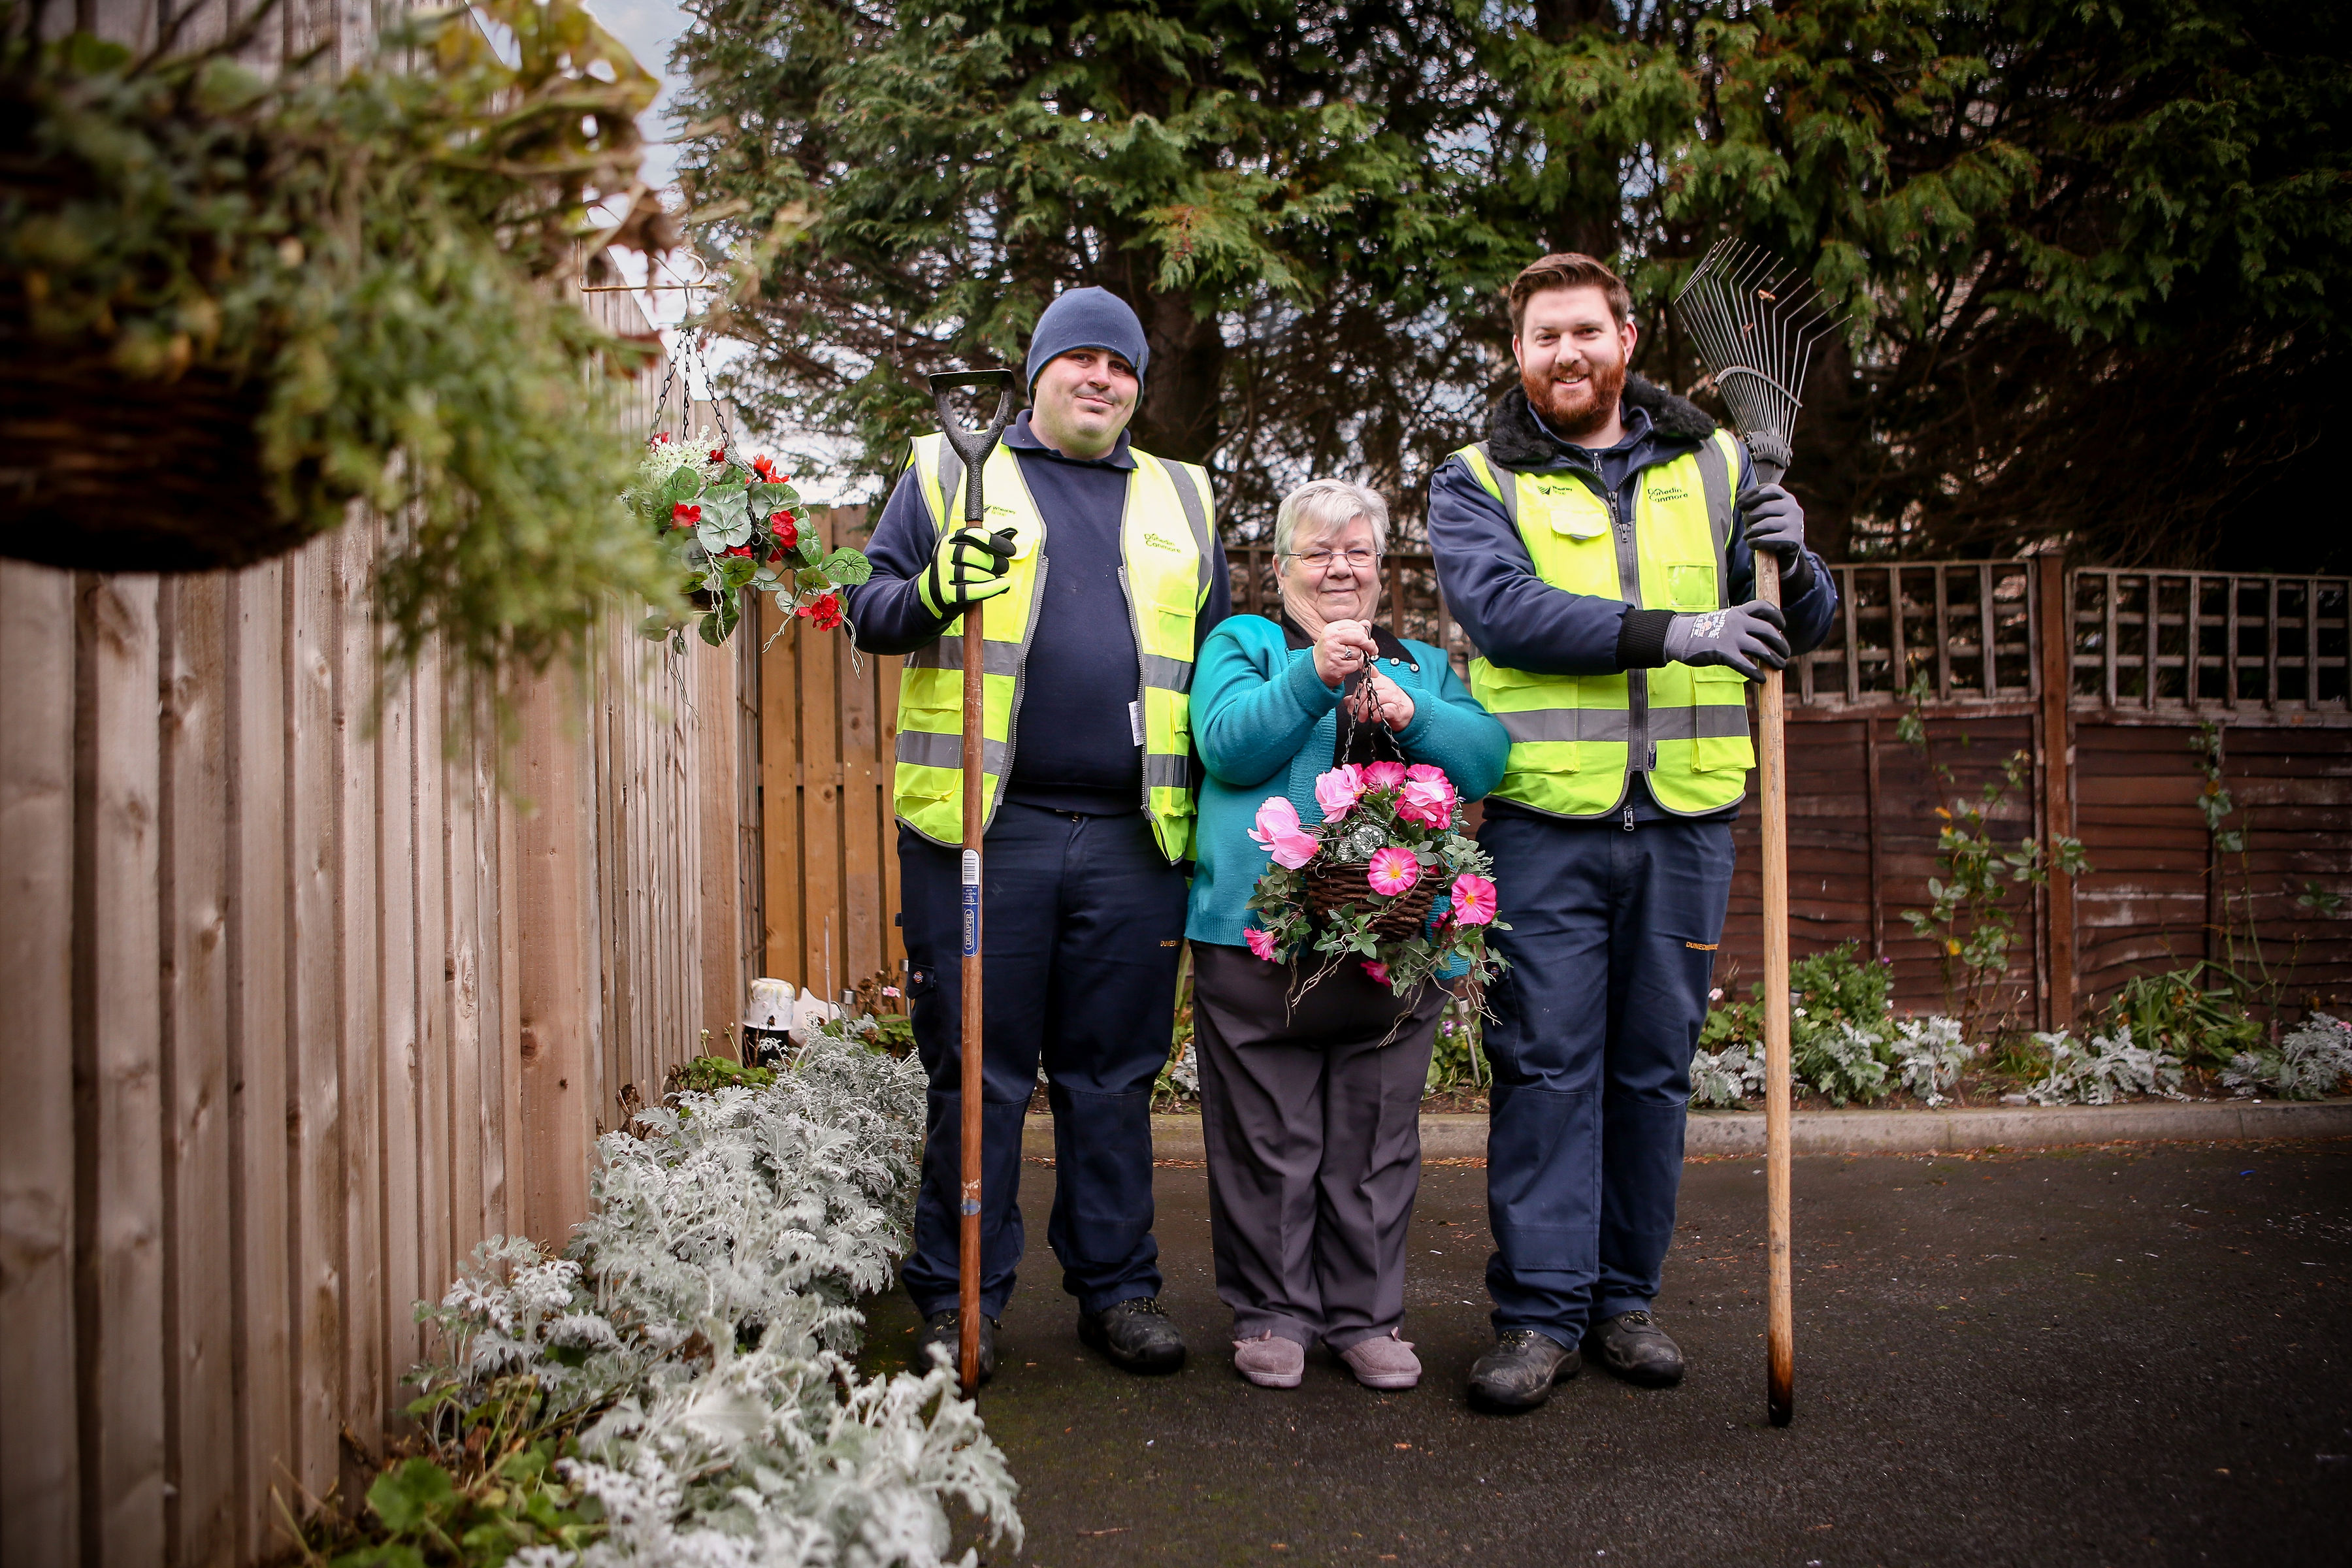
1640	754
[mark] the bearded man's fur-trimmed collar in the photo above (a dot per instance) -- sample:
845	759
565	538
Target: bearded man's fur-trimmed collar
1516	441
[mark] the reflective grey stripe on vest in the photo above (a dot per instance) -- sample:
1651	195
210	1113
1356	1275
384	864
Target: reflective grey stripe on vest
1196	512
929	749
1703	721
1504	480
997	658
1167	674
1161	771
950	474
1714	483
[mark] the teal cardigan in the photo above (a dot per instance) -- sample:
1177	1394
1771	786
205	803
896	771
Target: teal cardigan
1265	724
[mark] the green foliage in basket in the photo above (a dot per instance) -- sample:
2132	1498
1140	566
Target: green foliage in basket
384	258
726	525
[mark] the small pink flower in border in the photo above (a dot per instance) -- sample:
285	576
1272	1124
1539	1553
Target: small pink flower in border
1424	771
1384	776
1338	791
1277	829
1377	969
1473	899
1392	871
890	991
1260	942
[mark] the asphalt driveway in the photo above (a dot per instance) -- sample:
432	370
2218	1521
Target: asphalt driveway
2130	1354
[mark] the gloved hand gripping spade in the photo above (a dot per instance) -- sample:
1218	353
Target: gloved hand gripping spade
968	597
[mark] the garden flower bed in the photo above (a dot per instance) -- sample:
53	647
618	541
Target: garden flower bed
678	1388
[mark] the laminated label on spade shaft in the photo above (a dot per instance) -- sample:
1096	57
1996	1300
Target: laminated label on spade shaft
970	902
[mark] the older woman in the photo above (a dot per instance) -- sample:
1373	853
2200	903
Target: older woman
1312	1110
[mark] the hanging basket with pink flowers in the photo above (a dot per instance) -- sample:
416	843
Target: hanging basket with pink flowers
1389	880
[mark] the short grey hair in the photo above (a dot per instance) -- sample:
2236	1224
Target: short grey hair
1320	504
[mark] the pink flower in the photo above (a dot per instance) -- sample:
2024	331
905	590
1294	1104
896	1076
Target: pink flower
1338	791
1260	942
1392	871
1424	771
1384	776
1378	971
1429	802
1473	899
1277	828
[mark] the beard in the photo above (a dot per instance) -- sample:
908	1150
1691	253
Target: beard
1578	412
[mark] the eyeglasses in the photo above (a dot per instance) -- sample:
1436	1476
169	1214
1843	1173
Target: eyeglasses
1320	560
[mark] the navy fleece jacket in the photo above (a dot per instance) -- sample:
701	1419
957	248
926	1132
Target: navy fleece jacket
1520	622
1074	745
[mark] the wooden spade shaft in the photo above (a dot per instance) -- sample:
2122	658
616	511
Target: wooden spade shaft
975	815
1780	1328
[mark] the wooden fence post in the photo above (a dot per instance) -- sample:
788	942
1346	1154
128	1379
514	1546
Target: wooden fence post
2054	631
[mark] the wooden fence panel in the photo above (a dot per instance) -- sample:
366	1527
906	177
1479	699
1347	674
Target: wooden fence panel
40	1467
828	739
312	995
2016	655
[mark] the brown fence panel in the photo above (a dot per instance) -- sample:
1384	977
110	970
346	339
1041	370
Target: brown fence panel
310	996
828	736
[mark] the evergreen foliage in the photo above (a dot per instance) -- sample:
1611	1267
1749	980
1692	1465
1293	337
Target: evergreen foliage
2095	254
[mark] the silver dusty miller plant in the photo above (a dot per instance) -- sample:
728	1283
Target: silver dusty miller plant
2309	1063
2109	1068
701	1329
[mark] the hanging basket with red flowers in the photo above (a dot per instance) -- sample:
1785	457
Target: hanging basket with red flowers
729	524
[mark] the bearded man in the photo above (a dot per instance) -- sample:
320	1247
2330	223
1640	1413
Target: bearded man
1101	570
1598	548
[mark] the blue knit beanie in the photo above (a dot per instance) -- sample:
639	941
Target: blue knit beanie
1087	319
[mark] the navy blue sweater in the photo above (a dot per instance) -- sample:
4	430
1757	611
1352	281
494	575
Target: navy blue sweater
1074	749
1519	621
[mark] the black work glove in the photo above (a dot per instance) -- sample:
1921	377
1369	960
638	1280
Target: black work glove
968	568
1742	636
1777	523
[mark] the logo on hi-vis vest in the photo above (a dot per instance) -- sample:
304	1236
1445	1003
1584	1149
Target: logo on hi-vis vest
1157	543
1672	493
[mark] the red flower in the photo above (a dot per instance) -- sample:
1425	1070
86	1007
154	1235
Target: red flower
684	516
766	469
786	534
823	611
739	550
718	455
661	438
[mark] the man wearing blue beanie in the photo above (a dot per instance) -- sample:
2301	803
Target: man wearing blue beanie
1102	572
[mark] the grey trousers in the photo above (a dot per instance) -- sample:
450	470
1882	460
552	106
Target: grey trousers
1314	1143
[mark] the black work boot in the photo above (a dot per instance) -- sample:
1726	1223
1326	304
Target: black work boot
1136	1335
946	1330
1519	1372
1633	1346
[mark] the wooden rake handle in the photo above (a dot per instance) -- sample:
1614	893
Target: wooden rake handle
1780	1330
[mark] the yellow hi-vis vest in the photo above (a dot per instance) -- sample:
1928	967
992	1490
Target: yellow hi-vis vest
1166	557
1575	739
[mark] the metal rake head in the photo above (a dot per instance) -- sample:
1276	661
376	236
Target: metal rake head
1755	320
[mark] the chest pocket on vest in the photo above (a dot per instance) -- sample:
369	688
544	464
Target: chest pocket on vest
1692	588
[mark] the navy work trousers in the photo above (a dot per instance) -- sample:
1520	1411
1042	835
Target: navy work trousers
1612	946
1083	920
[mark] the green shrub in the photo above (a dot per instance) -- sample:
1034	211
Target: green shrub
2196	1013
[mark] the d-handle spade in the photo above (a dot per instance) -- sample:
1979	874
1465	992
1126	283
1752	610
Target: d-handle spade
974	447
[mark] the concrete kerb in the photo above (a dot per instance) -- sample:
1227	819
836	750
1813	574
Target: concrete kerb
1456	1136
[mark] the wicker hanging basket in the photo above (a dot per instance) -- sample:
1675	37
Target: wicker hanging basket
108	472
1331	886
